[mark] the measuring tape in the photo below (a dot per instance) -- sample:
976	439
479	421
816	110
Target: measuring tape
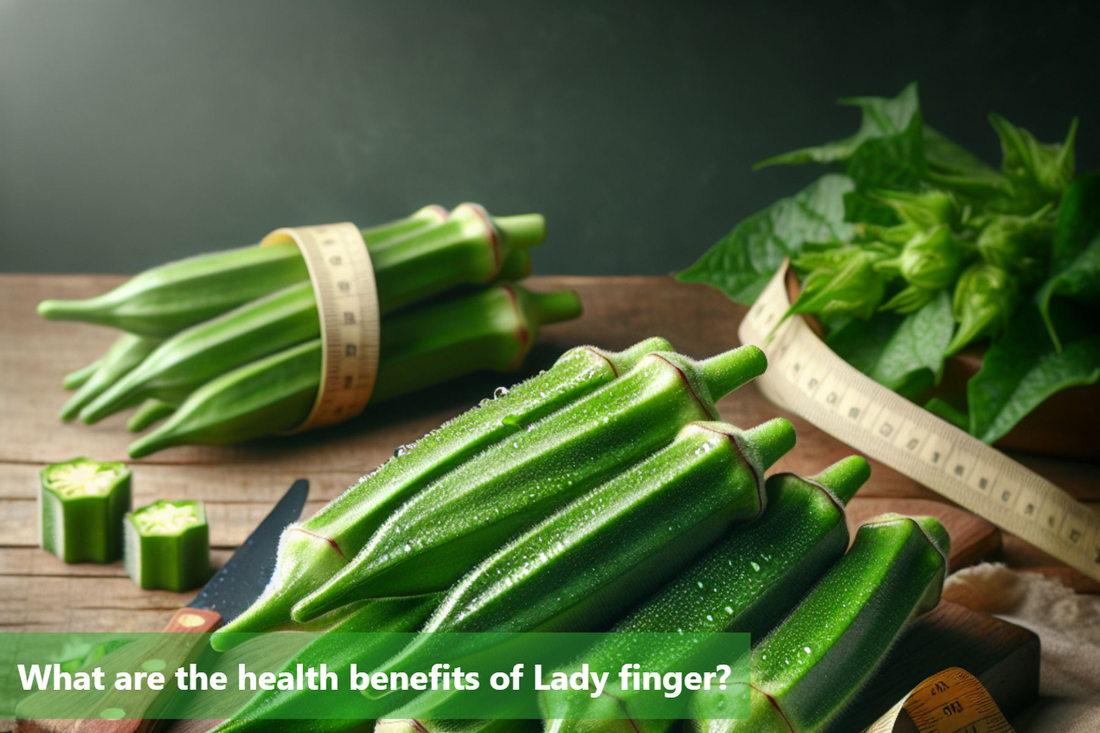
806	377
952	701
347	304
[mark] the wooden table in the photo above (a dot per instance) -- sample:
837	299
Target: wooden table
239	484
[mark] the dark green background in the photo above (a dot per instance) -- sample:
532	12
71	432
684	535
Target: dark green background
134	132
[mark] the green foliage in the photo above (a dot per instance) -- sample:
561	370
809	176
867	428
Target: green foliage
920	249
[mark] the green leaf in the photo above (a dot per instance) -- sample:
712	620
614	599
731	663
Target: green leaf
742	262
882	117
1023	368
956	169
902	353
1076	251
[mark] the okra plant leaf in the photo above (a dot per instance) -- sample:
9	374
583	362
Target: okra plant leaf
902	353
882	117
1023	368
742	262
1076	251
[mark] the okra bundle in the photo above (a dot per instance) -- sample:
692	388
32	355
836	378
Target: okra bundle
813	664
227	346
745	583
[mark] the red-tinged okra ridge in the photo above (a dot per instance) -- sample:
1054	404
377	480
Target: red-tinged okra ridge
431	540
746	583
811	666
82	504
629	534
312	552
167	545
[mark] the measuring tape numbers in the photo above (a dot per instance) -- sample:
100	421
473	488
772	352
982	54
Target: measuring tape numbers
347	304
806	377
952	701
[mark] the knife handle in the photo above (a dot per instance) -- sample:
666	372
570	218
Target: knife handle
126	712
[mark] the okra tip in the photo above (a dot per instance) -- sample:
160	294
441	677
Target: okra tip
845	477
729	370
773	439
68	310
149	444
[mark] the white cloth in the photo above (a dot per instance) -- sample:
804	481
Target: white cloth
1068	626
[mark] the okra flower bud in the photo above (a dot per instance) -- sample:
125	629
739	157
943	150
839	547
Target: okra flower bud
925	210
985	299
82	504
846	286
1038	172
931	259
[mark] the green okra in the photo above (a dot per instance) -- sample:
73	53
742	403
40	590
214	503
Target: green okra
125	354
198	354
288	710
310	553
490	329
516	266
745	583
629	535
266	396
151	411
411	261
814	663
78	377
469	248
166	299
81	505
167	545
432	539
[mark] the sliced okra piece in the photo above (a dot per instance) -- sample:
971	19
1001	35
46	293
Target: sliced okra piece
168	545
82	504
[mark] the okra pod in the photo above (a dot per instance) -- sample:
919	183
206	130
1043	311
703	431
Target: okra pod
266	396
78	377
163	300
198	354
746	583
288	710
812	665
629	535
167	545
151	411
310	553
125	354
412	260
470	247
432	539
81	505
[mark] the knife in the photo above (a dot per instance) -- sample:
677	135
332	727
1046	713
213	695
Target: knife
232	589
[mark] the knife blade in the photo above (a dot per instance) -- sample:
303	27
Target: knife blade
231	590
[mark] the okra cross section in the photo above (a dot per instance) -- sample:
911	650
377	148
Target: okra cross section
432	539
168	545
82	504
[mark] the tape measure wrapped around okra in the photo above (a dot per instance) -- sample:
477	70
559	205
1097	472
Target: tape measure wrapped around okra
226	347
